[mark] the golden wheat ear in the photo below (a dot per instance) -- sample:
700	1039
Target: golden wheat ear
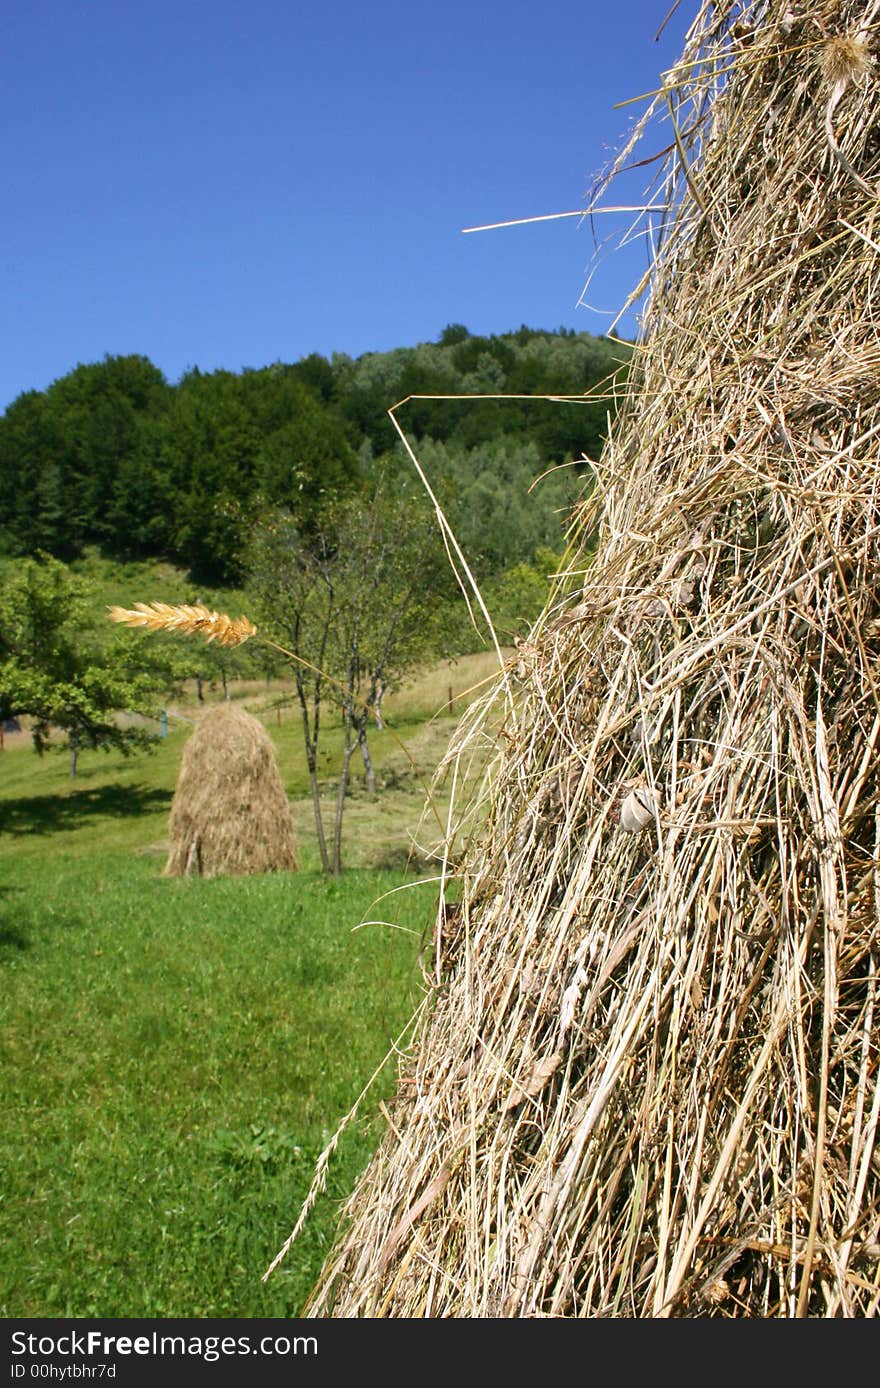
187	620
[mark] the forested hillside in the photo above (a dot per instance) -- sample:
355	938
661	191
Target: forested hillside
116	457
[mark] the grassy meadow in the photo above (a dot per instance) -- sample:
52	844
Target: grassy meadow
174	1054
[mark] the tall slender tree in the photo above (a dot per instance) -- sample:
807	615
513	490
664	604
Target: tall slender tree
357	605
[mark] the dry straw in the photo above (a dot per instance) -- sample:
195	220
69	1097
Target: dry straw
645	1078
230	814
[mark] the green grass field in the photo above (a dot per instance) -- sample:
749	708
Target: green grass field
174	1054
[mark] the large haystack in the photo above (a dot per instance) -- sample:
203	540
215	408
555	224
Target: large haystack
645	1081
230	814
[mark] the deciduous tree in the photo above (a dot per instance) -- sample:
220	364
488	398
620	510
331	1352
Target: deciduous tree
53	672
357	604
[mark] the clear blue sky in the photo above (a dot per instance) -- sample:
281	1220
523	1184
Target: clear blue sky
228	183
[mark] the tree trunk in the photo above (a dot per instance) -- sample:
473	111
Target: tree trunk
310	737
347	753
319	819
369	769
377	705
74	750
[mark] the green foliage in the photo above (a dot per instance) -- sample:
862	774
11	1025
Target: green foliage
51	671
113	456
500	506
238	442
516	598
110	455
452	334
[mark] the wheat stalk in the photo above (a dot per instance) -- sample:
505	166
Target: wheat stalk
193	619
188	620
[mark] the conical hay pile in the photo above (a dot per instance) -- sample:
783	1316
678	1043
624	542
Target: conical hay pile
230	814
644	1082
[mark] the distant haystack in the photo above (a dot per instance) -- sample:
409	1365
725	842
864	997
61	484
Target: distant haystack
230	814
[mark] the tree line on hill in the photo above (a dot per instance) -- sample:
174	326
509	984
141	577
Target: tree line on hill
113	456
